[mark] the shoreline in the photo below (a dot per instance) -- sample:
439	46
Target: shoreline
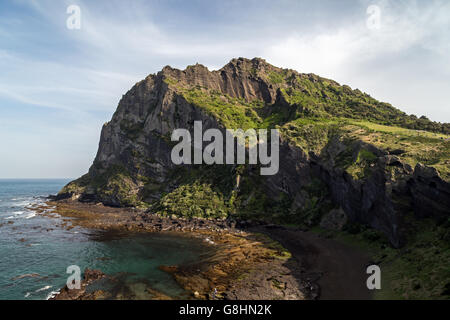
253	261
247	265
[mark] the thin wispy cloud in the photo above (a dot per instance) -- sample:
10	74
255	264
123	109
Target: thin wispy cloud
77	77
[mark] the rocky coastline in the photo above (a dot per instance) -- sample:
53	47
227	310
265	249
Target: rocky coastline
247	264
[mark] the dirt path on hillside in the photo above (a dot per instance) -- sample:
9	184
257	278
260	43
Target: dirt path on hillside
342	268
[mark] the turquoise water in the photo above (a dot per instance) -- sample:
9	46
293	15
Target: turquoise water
35	251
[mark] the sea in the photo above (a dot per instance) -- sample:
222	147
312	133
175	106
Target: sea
36	250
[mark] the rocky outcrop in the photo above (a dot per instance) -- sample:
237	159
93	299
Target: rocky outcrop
90	276
430	194
133	165
336	219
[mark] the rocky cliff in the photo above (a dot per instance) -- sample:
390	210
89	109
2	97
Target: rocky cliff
341	151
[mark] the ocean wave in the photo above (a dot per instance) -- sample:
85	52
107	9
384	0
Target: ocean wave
19	214
31	215
52	295
23	199
40	290
44	288
24	204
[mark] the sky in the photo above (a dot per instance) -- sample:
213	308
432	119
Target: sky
58	85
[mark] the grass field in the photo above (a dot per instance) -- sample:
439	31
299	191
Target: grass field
399	130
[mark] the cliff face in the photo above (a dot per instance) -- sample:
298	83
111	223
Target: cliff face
340	149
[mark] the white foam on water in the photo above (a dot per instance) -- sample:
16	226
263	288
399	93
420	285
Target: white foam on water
27	295
18	213
43	289
31	215
52	295
42	204
23	204
10	217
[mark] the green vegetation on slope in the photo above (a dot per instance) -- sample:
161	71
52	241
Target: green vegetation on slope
231	112
314	96
410	146
193	200
219	191
320	109
114	186
310	134
201	192
309	96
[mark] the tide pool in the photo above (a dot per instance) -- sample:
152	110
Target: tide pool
36	250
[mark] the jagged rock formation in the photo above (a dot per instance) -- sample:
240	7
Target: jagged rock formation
340	148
